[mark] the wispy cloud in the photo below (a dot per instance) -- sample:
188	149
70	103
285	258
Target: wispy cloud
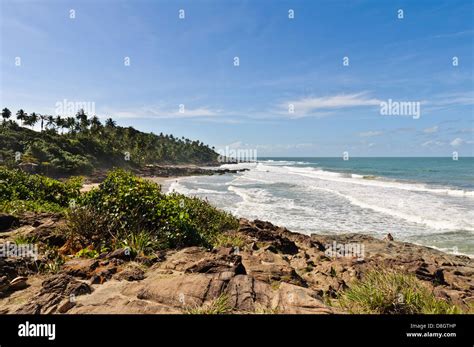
432	143
457	142
370	133
431	130
310	106
158	112
456	34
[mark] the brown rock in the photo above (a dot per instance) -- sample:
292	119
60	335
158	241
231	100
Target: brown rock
18	283
52	293
7	221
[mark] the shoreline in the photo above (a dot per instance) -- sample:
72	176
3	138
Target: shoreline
251	262
270	262
161	180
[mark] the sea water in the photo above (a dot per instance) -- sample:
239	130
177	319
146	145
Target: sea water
428	201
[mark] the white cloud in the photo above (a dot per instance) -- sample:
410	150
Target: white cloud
432	143
158	112
370	133
431	130
308	106
457	142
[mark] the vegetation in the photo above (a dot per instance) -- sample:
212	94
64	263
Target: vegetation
220	305
387	292
80	144
230	239
20	191
126	210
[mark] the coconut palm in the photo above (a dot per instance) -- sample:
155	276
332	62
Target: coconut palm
6	114
110	123
31	120
21	116
43	118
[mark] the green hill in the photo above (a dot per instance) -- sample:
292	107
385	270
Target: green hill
80	145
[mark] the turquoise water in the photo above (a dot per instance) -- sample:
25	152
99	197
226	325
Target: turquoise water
435	171
428	201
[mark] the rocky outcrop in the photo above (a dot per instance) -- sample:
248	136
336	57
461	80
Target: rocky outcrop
272	271
7	221
57	295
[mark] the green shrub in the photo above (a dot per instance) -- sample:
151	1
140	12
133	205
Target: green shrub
386	292
16	185
87	253
126	205
140	244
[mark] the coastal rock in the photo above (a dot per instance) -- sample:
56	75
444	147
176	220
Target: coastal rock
18	283
269	267
121	253
273	271
182	291
52	293
7	221
130	274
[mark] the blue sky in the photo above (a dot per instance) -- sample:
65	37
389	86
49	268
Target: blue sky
283	62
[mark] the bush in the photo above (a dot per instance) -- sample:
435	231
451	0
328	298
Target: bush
125	205
386	292
17	187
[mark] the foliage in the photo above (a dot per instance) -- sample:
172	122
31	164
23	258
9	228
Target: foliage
387	292
23	240
87	144
220	305
140	244
229	240
87	253
18	185
125	208
20	192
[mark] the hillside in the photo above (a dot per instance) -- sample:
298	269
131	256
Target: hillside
81	145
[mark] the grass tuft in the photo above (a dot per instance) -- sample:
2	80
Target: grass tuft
219	305
387	292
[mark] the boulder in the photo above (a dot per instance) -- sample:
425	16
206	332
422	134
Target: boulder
52	293
7	221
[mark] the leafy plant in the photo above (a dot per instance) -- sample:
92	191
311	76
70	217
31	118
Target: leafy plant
140	244
87	253
22	240
128	205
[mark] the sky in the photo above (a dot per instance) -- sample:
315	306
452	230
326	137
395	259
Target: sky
313	79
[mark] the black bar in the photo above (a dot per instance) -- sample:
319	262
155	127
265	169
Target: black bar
156	330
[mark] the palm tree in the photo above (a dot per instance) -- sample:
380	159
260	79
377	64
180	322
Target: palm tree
71	124
110	123
6	113
21	116
95	123
50	122
61	123
82	118
31	120
42	118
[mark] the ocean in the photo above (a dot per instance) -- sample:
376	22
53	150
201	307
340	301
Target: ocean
427	201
